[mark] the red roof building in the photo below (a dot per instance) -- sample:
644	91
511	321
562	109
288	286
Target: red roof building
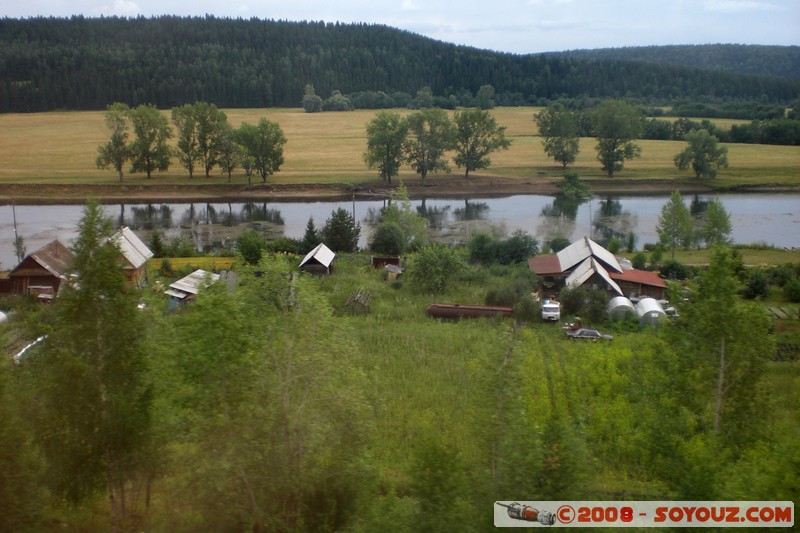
586	262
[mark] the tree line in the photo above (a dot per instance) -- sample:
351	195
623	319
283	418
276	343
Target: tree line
205	139
616	125
87	63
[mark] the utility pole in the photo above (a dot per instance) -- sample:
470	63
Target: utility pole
17	247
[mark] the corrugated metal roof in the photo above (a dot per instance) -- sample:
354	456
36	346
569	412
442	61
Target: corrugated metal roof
586	270
133	249
582	249
322	254
192	283
53	257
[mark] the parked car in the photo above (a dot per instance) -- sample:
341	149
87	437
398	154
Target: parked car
589	334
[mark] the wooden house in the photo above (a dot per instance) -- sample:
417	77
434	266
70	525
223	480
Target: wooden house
135	255
42	272
584	262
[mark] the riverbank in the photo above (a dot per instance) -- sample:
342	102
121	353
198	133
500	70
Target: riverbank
436	187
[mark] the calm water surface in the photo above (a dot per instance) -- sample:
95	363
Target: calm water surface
764	218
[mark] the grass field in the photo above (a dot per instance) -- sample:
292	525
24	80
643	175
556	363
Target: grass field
326	148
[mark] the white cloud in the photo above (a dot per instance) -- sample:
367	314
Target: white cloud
123	8
409	5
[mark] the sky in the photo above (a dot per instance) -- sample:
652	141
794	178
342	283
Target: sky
516	26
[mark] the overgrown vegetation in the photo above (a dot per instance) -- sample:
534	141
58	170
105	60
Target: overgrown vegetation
275	409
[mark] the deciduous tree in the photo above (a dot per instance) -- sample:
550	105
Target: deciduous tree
94	421
263	145
616	125
187	150
559	129
116	152
385	135
149	151
431	134
703	154
717	228
477	135
675	223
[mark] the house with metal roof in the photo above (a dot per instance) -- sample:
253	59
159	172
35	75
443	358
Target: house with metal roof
135	255
318	261
42	272
584	262
188	287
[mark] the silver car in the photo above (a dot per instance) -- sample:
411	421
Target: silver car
589	334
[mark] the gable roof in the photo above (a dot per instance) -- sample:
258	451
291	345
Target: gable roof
642	277
586	270
53	257
191	284
321	254
582	249
133	249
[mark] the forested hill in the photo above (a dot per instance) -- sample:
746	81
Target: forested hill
778	61
83	63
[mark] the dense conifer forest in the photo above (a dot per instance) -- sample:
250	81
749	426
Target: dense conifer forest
778	61
88	63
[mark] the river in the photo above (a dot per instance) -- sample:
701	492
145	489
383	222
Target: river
768	218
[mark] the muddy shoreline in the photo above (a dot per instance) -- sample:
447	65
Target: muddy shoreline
437	187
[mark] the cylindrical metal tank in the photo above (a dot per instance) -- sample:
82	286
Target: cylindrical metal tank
620	308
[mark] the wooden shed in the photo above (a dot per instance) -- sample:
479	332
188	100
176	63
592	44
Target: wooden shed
318	261
135	255
42	272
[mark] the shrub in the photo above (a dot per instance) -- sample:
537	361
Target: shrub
787	346
674	270
792	290
639	260
558	244
756	284
482	248
250	244
388	239
166	269
433	266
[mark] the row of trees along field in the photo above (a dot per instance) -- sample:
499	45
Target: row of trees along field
205	139
423	139
267	406
86	63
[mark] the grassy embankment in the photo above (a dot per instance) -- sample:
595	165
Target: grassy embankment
326	148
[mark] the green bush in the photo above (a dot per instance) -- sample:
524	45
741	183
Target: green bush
639	260
433	266
756	284
388	239
787	346
673	269
792	290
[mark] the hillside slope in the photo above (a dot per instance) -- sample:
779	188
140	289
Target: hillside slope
776	61
83	63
